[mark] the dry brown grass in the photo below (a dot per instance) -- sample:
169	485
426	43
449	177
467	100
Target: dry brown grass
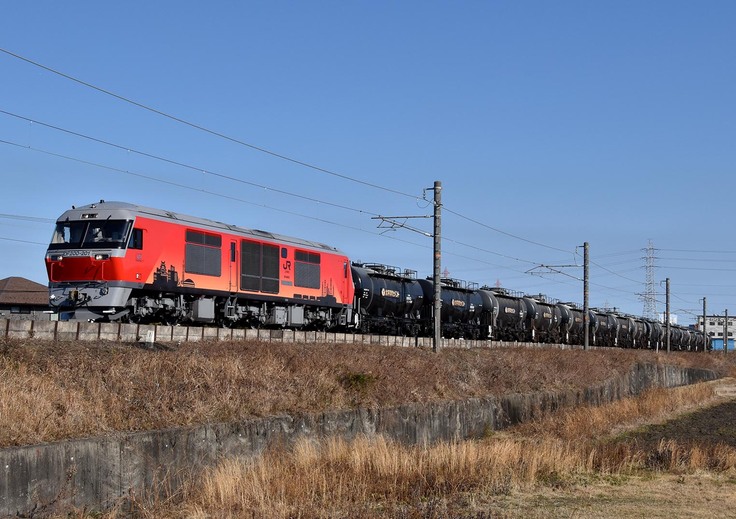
51	391
379	478
591	422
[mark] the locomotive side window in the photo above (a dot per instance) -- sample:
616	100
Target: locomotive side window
306	269
136	239
203	254
259	267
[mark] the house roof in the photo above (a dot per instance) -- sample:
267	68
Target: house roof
21	291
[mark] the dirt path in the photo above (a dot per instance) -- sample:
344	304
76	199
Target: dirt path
726	387
709	425
650	496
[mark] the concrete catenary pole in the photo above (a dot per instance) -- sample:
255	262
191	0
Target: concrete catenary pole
437	341
667	313
586	293
705	335
725	333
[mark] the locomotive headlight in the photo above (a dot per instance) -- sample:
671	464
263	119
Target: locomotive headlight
52	297
104	291
57	258
102	256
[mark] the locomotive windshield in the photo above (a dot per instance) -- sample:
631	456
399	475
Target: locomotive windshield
90	234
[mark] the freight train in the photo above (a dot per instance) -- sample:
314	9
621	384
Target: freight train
116	261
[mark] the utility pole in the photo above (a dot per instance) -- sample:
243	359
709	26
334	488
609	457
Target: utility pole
667	315
437	340
705	336
393	223
586	317
725	333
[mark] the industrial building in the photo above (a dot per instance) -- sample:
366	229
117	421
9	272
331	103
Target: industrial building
714	328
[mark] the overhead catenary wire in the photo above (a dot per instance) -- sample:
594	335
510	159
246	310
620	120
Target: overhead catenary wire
252	146
205	129
176	184
699	251
517	237
36	219
172	183
234	198
198	169
241	142
23	241
323	170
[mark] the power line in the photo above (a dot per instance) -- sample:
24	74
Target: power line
23	241
616	273
26	218
205	129
504	232
620	253
700	251
220	175
700	268
703	260
230	197
176	163
174	184
234	140
283	157
254	184
184	186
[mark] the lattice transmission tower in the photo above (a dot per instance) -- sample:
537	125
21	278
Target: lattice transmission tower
650	294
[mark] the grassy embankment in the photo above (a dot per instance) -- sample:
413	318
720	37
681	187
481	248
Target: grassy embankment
563	465
567	465
51	391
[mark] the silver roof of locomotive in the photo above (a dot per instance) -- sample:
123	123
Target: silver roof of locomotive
128	211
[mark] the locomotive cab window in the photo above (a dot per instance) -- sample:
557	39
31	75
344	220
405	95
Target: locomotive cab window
90	234
203	253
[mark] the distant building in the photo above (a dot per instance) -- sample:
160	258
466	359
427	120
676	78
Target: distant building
714	329
663	318
21	298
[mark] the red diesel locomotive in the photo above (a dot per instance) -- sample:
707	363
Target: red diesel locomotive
114	260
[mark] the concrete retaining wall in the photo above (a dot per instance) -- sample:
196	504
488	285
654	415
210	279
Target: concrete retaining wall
99	472
120	332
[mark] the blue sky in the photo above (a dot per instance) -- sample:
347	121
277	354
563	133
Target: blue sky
555	123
